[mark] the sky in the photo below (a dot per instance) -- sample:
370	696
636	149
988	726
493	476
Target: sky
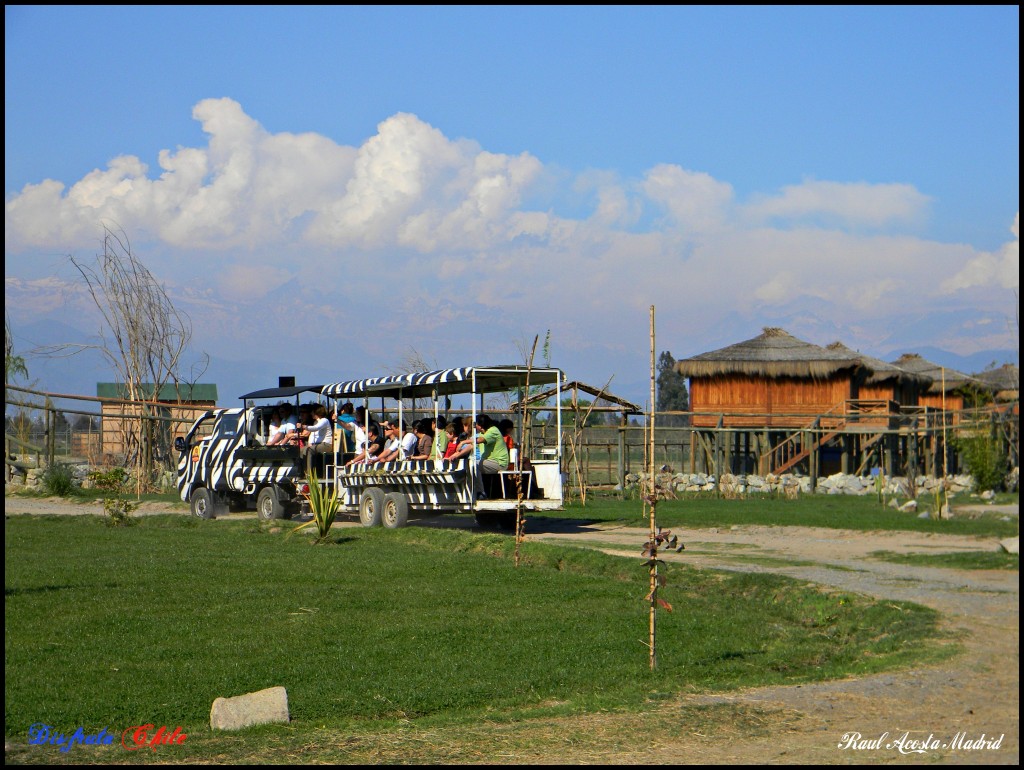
336	192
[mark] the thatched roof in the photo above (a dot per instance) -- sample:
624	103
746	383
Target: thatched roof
1004	381
1006	377
951	378
772	354
881	371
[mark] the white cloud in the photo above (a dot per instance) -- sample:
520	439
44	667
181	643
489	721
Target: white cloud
856	204
695	201
444	225
1000	270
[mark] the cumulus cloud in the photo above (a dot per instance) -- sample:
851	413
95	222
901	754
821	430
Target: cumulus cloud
695	201
998	270
455	233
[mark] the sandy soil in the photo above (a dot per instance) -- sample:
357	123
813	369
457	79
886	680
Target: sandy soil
973	697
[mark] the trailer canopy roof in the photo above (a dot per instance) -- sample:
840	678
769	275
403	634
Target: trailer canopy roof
294	390
470	379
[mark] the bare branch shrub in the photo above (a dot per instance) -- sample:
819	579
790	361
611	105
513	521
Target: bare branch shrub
144	339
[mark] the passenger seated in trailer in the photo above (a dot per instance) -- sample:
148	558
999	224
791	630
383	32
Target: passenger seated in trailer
409	441
298	436
400	445
285	426
345	429
507	427
440	441
465	445
368	451
424	440
451	432
316	439
494	454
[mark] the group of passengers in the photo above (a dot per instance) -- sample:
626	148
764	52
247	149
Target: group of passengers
310	431
362	440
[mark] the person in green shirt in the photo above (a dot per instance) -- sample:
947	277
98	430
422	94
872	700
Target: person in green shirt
494	452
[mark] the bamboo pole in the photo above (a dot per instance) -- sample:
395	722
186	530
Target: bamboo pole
653	521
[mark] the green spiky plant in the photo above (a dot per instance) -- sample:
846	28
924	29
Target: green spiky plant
324	506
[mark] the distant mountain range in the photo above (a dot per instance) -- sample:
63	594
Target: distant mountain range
78	374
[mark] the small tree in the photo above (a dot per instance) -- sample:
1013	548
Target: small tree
672	394
145	336
986	460
14	365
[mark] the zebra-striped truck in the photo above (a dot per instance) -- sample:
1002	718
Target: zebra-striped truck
225	464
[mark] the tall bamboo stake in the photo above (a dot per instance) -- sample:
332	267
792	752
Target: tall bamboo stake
520	517
653	501
945	450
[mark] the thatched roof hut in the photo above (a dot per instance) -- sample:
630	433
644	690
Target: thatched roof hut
774	353
943	378
886	381
1004	382
772	379
881	371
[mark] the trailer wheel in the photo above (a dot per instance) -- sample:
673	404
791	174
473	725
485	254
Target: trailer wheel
396	510
371	506
268	505
201	503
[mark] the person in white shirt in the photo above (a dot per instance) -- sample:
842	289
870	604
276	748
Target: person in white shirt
392	442
318	436
286	426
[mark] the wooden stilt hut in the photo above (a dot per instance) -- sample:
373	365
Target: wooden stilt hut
950	390
1003	383
887	382
770	404
888	397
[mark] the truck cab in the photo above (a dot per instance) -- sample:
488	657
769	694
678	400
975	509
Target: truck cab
224	463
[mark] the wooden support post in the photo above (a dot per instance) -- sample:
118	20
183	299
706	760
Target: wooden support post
812	458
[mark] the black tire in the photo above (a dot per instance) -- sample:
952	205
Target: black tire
201	503
396	510
371	507
268	505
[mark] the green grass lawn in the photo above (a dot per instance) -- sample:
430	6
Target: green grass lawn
831	511
119	626
954	560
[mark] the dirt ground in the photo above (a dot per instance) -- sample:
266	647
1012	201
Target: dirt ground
962	711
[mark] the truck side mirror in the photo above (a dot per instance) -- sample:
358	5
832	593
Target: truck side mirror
179	443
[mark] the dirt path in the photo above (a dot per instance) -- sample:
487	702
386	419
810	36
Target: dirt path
976	694
974	697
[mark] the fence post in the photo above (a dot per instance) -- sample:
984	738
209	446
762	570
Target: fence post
622	457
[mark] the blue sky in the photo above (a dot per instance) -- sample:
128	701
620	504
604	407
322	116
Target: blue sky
454	181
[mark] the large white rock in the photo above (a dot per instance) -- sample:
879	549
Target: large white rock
254	708
1010	544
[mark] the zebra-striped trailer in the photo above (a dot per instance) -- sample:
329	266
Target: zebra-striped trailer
390	493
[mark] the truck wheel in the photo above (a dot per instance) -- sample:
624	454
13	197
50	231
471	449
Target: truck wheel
371	506
268	505
396	510
201	503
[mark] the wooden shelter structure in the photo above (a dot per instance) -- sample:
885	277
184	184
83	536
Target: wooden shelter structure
174	406
950	389
776	404
886	382
603	403
1003	383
